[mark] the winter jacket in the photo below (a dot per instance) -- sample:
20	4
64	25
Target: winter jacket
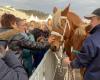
24	55
11	68
89	56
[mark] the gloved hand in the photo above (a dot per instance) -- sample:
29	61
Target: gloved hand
66	60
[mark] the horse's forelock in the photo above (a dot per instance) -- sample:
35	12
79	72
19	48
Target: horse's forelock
56	18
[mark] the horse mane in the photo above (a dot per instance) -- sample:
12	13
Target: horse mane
79	36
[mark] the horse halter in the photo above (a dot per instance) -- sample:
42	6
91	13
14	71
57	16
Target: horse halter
67	24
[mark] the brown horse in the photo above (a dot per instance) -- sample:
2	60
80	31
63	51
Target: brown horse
69	20
73	30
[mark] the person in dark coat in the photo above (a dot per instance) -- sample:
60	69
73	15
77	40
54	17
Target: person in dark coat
24	55
89	56
40	34
10	67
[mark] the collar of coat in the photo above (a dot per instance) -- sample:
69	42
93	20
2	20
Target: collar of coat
95	29
5	35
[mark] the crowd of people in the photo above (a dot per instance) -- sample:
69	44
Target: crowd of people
22	46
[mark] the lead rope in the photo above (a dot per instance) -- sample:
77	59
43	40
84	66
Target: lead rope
70	73
67	23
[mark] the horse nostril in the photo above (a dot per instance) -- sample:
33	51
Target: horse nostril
53	48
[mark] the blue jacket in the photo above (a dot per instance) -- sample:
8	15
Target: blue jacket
89	56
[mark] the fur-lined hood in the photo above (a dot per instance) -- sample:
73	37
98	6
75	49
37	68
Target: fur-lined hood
6	34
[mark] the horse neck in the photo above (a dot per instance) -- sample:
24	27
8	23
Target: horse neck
76	20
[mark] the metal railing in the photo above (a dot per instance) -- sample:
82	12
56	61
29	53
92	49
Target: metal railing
46	69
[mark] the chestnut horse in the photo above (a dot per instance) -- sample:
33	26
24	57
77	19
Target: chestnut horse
71	30
65	23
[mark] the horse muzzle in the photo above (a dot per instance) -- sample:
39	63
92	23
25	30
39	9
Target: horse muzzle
54	48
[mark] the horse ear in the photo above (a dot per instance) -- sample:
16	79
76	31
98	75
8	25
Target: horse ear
65	11
54	10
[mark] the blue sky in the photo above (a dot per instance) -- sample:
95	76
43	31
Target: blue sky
81	7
